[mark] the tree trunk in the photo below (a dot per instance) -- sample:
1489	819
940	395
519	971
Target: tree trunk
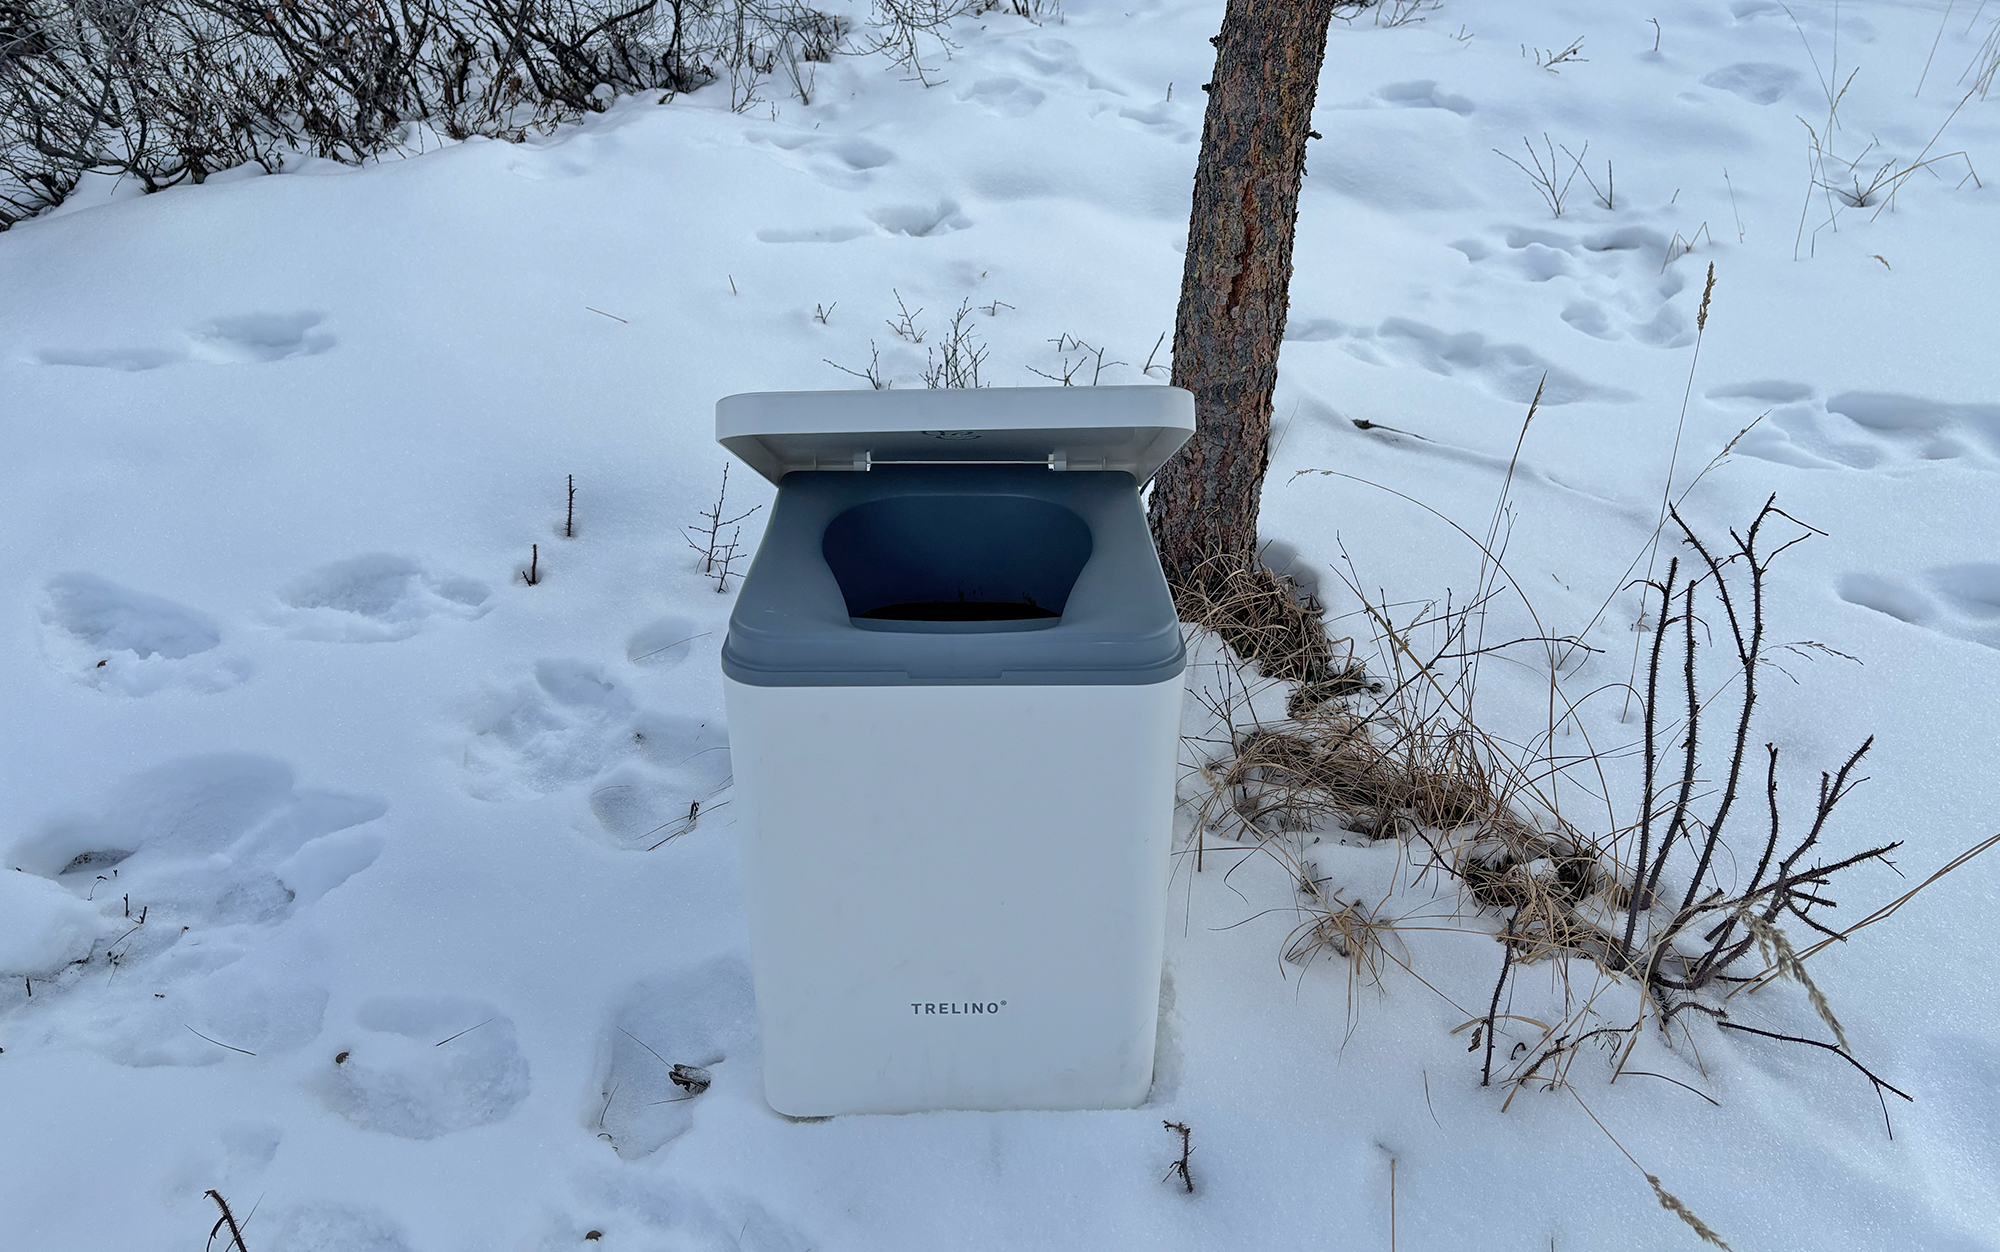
1239	270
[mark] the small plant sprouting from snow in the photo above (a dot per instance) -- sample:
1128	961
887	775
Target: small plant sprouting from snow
718	557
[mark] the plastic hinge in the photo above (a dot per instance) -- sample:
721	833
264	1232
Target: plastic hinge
860	461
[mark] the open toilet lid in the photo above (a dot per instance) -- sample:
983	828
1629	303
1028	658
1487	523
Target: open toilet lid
1134	429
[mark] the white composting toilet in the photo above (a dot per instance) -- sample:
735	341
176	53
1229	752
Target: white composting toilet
954	686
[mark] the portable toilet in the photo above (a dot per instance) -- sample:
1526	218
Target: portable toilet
953	680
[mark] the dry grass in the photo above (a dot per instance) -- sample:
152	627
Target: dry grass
1268	619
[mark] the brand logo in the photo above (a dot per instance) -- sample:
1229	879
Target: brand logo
952	434
927	1008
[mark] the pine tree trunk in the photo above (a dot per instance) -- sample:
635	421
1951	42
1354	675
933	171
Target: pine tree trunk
1239	270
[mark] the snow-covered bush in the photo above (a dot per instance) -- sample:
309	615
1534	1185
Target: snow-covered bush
171	91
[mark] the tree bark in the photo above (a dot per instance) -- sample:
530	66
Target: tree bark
1239	271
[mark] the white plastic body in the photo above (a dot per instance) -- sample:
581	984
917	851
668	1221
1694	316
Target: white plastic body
956	894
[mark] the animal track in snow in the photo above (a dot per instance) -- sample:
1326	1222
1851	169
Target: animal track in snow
1178	122
193	866
846	163
420	1067
116	639
701	1018
1886	595
1615	274
663	644
920	221
1423	94
130	360
857	153
1003	95
242	339
374	598
1057	61
1759	82
1972	590
250	338
1865	430
567	725
571	724
1962	601
1508	370
681	771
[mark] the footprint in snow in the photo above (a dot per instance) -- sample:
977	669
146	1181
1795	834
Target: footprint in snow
845	162
1057	61
375	598
574	723
1003	95
663	644
566	725
1178	122
1616	276
858	154
680	777
252	338
120	640
1759	82
1508	370
1423	93
920	221
125	360
421	1067
165	908
1863	430
666	1043
241	339
1961	601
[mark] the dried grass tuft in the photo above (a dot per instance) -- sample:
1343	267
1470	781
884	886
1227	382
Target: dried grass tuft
1669	1202
1268	619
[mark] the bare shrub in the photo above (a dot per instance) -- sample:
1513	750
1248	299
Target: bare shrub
718	556
84	87
906	30
957	361
1069	371
1688	904
1544	177
1658	903
170	91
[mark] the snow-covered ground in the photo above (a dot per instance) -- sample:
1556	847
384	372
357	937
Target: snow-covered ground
277	447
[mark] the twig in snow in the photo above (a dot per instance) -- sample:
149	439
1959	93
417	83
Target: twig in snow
227	1219
1181	1166
1544	177
217	1042
717	557
468	1030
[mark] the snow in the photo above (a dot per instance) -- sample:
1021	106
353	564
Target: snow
278	448
47	927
